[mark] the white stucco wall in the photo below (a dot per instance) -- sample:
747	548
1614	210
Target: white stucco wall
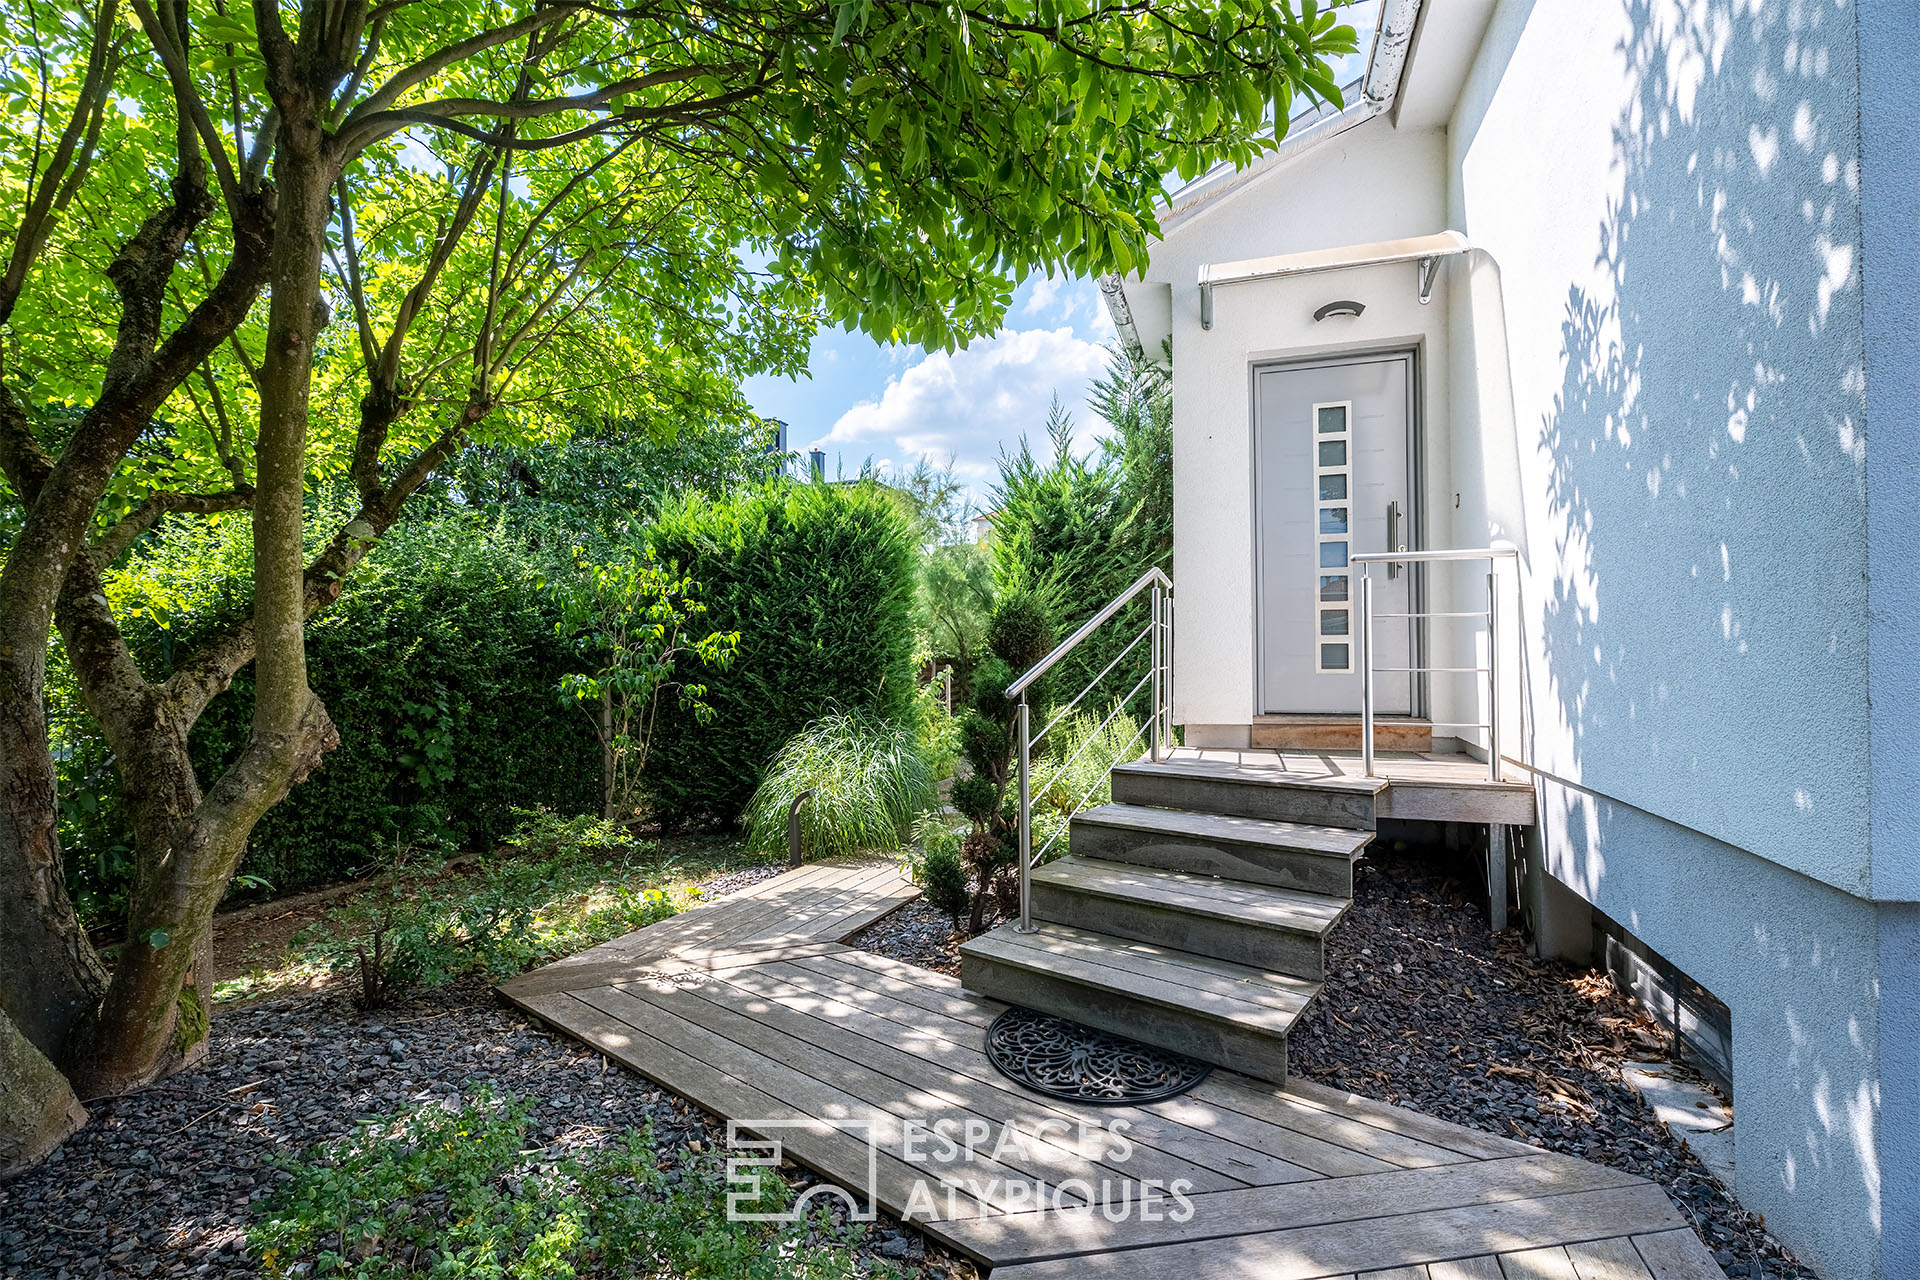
1669	198
1371	183
1661	375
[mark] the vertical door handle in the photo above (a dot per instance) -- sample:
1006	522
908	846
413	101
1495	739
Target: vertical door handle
1393	536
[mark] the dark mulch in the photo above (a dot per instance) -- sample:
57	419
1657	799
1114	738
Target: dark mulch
162	1182
1424	1006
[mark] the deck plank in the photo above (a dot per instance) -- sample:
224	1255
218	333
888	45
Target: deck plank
1081	1150
1551	1263
1049	1234
829	1087
1676	1255
938	1042
1484	1267
1614	1259
1308	1253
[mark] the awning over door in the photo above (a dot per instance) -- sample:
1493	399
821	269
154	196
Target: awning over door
1427	251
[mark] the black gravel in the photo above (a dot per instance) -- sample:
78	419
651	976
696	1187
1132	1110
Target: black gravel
161	1182
916	933
1424	1006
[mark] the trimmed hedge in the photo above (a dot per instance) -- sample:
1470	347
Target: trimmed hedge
819	581
440	667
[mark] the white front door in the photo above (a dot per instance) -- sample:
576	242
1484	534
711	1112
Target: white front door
1332	444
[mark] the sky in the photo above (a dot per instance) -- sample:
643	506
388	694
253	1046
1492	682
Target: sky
895	405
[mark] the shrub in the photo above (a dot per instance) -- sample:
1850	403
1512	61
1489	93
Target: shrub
472	1192
869	782
939	870
438	664
818	579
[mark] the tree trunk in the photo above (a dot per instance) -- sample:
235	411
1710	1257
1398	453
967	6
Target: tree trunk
50	979
609	761
189	847
37	1107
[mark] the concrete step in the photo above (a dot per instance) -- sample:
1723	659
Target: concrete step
1287	855
1234	1016
1280	930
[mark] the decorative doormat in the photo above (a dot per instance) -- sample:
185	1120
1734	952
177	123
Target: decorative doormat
1064	1059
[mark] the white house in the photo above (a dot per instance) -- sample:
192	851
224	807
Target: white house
1641	304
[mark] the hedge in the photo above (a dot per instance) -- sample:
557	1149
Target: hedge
819	581
439	666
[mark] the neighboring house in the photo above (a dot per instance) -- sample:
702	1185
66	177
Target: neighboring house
1651	318
980	527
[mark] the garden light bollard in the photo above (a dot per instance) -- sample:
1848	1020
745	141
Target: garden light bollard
793	826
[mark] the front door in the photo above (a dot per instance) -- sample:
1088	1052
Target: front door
1332	444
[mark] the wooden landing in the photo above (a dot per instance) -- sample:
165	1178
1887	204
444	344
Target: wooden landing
855	1063
1430	786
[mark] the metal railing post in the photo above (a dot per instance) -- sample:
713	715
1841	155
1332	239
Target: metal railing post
1026	825
1364	647
1493	675
1154	652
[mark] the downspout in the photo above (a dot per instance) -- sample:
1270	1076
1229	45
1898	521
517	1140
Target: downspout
1386	64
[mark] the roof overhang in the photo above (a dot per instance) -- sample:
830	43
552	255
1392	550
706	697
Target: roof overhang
1426	251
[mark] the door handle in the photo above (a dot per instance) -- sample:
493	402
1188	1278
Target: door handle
1393	537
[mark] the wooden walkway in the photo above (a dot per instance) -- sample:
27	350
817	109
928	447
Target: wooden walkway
859	1065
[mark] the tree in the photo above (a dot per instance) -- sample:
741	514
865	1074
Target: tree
506	207
632	618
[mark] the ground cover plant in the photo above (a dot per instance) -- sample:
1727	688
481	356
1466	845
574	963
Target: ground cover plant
468	1192
562	885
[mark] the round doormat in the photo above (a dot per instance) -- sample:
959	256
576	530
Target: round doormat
1064	1059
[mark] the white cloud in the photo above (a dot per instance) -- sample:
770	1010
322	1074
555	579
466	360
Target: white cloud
970	403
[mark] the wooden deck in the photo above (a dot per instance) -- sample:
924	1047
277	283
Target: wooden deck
751	1007
1432	786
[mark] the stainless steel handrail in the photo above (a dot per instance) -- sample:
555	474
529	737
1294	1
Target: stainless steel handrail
1091	625
1158	728
1365	648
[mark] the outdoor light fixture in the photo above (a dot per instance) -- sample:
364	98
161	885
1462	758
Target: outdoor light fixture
1344	307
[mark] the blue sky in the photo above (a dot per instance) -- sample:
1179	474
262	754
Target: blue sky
897	404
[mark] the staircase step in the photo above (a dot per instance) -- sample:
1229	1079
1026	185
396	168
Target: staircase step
1235	1016
1288	855
1245	792
1252	924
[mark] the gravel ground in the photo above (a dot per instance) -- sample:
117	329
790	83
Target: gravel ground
1424	1006
916	933
160	1183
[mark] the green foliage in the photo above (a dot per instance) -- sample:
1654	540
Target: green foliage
938	868
1078	530
634	624
976	798
869	782
1071	773
438	664
953	604
471	1193
427	926
1021	632
818	581
937	731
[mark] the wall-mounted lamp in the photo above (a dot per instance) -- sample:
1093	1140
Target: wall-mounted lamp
1344	307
